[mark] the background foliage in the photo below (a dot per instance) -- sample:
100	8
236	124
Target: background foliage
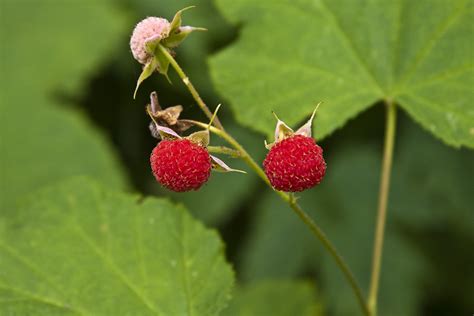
67	77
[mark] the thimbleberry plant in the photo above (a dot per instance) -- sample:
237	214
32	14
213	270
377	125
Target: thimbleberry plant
74	240
294	162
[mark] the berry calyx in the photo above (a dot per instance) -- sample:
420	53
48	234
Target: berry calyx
180	165
295	164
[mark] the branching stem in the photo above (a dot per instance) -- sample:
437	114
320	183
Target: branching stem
190	86
291	200
288	198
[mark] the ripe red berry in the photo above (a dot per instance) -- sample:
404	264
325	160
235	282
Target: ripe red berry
295	164
180	165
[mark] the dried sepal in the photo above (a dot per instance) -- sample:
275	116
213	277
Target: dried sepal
159	130
154	103
283	131
166	132
220	166
168	117
305	130
267	145
153	131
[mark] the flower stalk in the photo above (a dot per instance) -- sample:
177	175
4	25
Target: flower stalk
389	142
189	85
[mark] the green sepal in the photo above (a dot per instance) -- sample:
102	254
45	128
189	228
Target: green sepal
147	71
201	138
177	37
152	44
176	22
163	64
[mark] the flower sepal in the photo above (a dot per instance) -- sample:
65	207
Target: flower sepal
283	131
170	117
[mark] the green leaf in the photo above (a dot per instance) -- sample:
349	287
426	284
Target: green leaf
50	53
276	298
80	249
434	191
50	48
51	145
350	54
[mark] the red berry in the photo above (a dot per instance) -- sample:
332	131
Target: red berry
295	164
180	165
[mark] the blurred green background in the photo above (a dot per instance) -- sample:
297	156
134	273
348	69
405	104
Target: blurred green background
67	78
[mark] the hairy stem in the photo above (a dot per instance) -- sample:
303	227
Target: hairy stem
390	126
190	86
290	199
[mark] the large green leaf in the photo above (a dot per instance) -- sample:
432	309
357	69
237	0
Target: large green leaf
276	298
48	49
78	249
350	54
52	144
426	194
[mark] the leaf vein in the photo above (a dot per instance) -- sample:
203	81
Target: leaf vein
37	298
183	265
430	43
106	260
349	43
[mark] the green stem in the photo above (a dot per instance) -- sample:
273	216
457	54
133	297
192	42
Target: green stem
290	199
224	150
390	126
332	250
244	155
190	86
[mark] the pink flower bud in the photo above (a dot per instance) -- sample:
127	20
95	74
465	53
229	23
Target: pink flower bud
151	28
